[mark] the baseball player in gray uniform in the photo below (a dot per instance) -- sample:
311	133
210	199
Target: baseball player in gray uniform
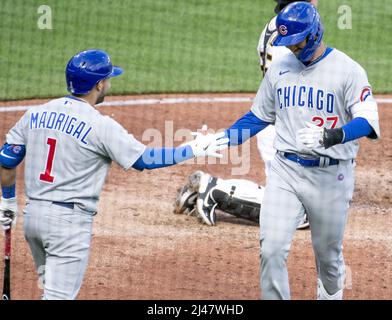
268	53
239	197
321	103
69	147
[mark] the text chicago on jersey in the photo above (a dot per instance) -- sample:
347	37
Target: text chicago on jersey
60	122
303	96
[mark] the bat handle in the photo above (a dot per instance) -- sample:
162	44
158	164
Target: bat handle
8	214
7	247
7	266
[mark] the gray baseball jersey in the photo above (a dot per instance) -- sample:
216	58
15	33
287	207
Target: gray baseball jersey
69	150
329	93
291	94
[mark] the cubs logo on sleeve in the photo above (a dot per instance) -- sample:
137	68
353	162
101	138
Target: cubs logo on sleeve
366	93
16	149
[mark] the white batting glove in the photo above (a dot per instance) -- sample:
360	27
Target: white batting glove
8	212
311	136
207	144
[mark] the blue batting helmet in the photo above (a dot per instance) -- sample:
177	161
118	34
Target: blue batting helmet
87	68
297	22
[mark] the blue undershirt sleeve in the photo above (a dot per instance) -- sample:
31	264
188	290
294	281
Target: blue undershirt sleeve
355	129
155	158
244	128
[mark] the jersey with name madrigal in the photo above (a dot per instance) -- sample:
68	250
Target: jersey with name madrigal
322	93
69	149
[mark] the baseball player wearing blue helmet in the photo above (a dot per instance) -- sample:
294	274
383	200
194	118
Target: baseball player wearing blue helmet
204	194
87	68
306	27
321	103
69	147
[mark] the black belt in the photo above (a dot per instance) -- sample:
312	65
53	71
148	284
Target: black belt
69	205
305	162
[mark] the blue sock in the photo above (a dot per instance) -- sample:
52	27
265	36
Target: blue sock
8	192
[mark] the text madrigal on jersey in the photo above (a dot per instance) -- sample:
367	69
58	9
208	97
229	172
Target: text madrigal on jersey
61	122
308	97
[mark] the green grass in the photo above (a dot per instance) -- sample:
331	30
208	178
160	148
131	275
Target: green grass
170	45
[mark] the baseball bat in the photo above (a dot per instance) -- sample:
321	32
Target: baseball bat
7	266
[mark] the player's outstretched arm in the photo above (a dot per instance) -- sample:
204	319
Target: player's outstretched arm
204	145
244	128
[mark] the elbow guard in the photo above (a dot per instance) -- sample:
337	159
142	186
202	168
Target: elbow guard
11	155
368	110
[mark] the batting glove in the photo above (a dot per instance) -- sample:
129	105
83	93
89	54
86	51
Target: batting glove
8	212
207	144
311	136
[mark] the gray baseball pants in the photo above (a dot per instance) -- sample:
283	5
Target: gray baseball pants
59	240
325	193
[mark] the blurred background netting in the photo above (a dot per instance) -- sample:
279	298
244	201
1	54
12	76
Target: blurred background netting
171	45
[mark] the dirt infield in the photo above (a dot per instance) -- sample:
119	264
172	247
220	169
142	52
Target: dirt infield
141	250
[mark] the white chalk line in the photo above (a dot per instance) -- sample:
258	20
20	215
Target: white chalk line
139	102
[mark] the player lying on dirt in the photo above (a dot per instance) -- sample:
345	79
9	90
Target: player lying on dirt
204	194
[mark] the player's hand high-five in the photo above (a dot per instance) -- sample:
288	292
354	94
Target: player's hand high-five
207	144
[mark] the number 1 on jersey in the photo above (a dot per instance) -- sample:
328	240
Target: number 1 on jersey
47	177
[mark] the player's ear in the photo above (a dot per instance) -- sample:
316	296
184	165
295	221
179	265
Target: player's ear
100	85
